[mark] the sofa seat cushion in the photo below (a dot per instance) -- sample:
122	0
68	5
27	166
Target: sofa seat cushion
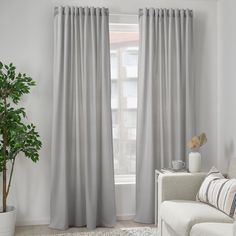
181	215
212	229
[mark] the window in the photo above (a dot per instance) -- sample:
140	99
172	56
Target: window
124	71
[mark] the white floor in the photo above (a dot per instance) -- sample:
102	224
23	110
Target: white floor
43	229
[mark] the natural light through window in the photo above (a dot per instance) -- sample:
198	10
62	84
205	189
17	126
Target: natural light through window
124	71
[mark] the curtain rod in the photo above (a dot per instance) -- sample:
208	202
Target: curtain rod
141	12
136	15
123	14
56	9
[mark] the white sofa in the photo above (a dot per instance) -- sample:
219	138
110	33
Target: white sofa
181	215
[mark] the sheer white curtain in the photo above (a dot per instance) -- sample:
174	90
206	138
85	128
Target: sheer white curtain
165	98
82	190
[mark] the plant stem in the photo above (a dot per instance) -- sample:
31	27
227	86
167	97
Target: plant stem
4	199
12	168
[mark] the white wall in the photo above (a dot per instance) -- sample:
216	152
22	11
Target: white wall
26	39
226	82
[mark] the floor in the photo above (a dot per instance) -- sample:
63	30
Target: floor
43	229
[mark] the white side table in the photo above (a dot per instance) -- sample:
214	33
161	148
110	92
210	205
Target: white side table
157	173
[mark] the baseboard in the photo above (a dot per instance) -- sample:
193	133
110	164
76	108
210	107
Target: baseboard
32	222
125	217
47	221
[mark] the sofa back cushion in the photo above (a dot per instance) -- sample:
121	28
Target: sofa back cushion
219	192
232	168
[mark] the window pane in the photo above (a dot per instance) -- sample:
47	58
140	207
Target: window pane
130	118
130	88
124	71
114	64
115	118
131	102
130	62
131	134
114	89
130	57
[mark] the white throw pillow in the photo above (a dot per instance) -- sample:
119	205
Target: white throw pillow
219	192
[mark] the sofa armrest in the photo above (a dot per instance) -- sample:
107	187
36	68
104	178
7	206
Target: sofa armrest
179	186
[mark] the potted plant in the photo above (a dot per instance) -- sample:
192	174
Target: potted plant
195	156
16	136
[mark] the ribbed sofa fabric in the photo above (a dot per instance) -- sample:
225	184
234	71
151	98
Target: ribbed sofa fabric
82	188
165	98
219	192
213	229
182	215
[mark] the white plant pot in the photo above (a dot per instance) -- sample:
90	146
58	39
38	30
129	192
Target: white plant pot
195	161
8	221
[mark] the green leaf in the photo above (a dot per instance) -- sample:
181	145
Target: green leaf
19	135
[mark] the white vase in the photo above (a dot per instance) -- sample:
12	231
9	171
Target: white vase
8	221
195	161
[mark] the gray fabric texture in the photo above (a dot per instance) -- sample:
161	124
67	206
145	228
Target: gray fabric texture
165	98
82	189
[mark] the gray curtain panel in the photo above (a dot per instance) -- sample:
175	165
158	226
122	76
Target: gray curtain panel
165	98
82	190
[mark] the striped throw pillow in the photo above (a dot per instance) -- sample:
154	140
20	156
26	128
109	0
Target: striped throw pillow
219	192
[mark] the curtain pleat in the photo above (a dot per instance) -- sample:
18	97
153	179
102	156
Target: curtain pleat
165	98
82	189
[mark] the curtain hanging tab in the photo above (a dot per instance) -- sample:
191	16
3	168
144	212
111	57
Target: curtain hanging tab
162	11
80	10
